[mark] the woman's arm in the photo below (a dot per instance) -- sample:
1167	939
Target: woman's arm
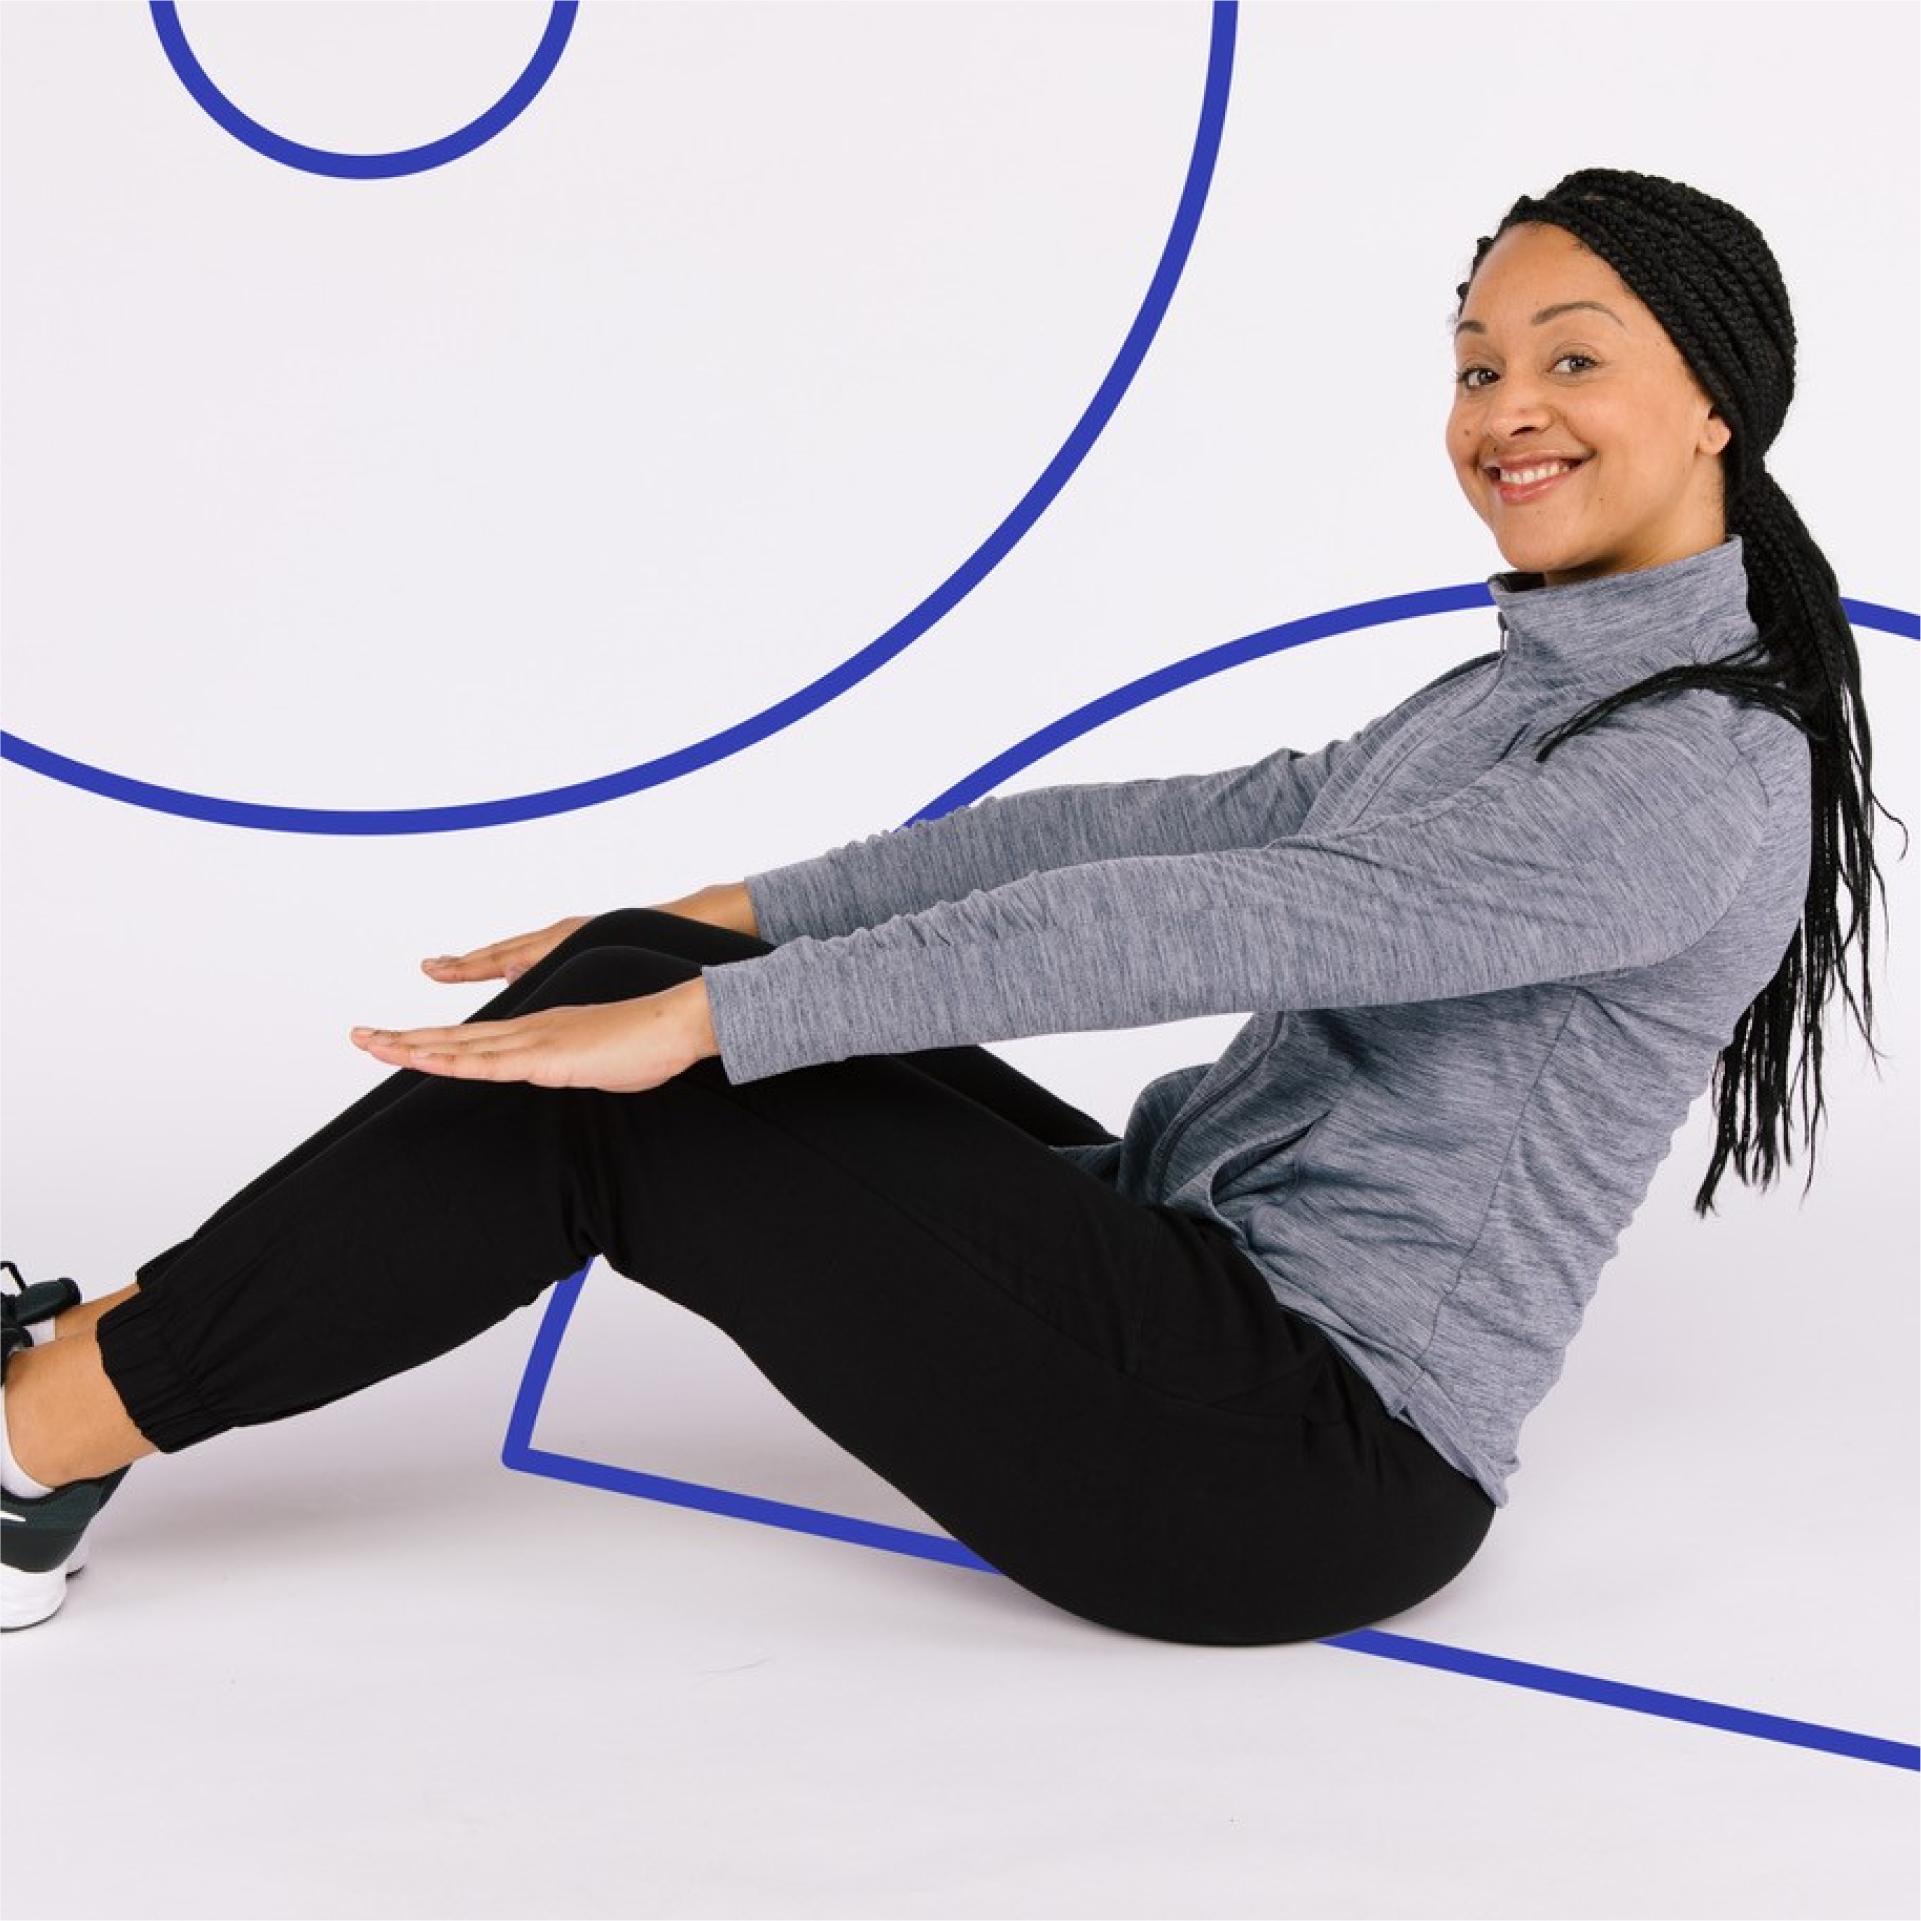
1621	849
1004	837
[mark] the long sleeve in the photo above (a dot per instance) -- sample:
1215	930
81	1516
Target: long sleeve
1005	837
1621	849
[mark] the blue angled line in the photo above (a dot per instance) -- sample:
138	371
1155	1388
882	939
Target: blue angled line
363	166
795	706
519	1452
1638	1700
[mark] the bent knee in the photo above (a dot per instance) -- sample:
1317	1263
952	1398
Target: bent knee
669	933
627	927
612	971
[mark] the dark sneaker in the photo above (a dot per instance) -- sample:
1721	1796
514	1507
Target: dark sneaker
43	1537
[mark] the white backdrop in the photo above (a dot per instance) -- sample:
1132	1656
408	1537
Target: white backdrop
704	372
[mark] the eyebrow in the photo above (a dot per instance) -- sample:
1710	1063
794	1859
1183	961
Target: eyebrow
1546	314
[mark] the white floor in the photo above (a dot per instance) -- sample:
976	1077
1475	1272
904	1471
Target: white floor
350	1665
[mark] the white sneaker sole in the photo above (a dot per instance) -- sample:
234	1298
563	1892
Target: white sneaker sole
27	1599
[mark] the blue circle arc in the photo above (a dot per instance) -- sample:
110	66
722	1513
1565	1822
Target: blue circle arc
361	166
1271	640
817	693
804	700
984	778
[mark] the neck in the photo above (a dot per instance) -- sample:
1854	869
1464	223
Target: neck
1626	624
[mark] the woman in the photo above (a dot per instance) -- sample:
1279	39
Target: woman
1251	1371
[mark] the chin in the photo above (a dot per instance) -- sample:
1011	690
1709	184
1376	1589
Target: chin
1542	554
1538	556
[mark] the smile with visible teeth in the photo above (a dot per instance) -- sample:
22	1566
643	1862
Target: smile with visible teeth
1522	476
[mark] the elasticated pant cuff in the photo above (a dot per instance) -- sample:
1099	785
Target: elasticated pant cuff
157	1396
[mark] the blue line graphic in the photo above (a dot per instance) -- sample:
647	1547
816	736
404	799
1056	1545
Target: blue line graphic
519	1452
362	166
1271	640
795	706
1637	1700
1120	700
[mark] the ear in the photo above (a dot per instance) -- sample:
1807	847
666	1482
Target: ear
1715	433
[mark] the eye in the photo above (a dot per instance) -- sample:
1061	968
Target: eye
1461	379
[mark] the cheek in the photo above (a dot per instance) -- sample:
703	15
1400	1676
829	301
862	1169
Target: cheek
1637	431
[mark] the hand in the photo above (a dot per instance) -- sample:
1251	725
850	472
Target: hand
505	959
623	1047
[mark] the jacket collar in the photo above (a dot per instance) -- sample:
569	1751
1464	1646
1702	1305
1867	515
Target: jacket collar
1691	609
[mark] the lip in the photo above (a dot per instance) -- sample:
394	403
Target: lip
1534	489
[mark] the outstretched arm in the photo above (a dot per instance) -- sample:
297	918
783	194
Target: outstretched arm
1624	847
1004	837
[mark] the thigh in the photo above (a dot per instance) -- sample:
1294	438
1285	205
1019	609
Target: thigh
1100	1398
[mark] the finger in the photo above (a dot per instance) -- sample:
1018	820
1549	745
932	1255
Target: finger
464	1035
504	1064
482	964
405	1053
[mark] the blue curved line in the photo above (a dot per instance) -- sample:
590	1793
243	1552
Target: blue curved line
1890	620
519	1453
1270	640
1032	747
783	713
362	166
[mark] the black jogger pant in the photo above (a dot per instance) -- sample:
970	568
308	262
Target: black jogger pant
1101	1399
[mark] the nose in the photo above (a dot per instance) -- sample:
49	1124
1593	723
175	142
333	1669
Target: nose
1515	408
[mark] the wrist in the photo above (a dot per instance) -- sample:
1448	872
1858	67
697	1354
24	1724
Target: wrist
694	1013
728	904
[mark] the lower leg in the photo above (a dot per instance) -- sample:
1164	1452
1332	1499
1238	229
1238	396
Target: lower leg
630	926
443	1211
91	1433
65	1422
79	1319
65	1419
972	1070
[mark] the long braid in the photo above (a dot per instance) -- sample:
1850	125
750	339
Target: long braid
1707	275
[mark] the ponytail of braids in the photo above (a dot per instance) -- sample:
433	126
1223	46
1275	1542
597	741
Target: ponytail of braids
1705	272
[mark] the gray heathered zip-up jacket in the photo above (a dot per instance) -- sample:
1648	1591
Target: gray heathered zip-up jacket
1485	990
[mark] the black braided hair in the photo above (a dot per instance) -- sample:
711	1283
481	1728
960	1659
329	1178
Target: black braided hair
1707	275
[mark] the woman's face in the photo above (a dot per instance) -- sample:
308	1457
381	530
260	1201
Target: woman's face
1606	389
